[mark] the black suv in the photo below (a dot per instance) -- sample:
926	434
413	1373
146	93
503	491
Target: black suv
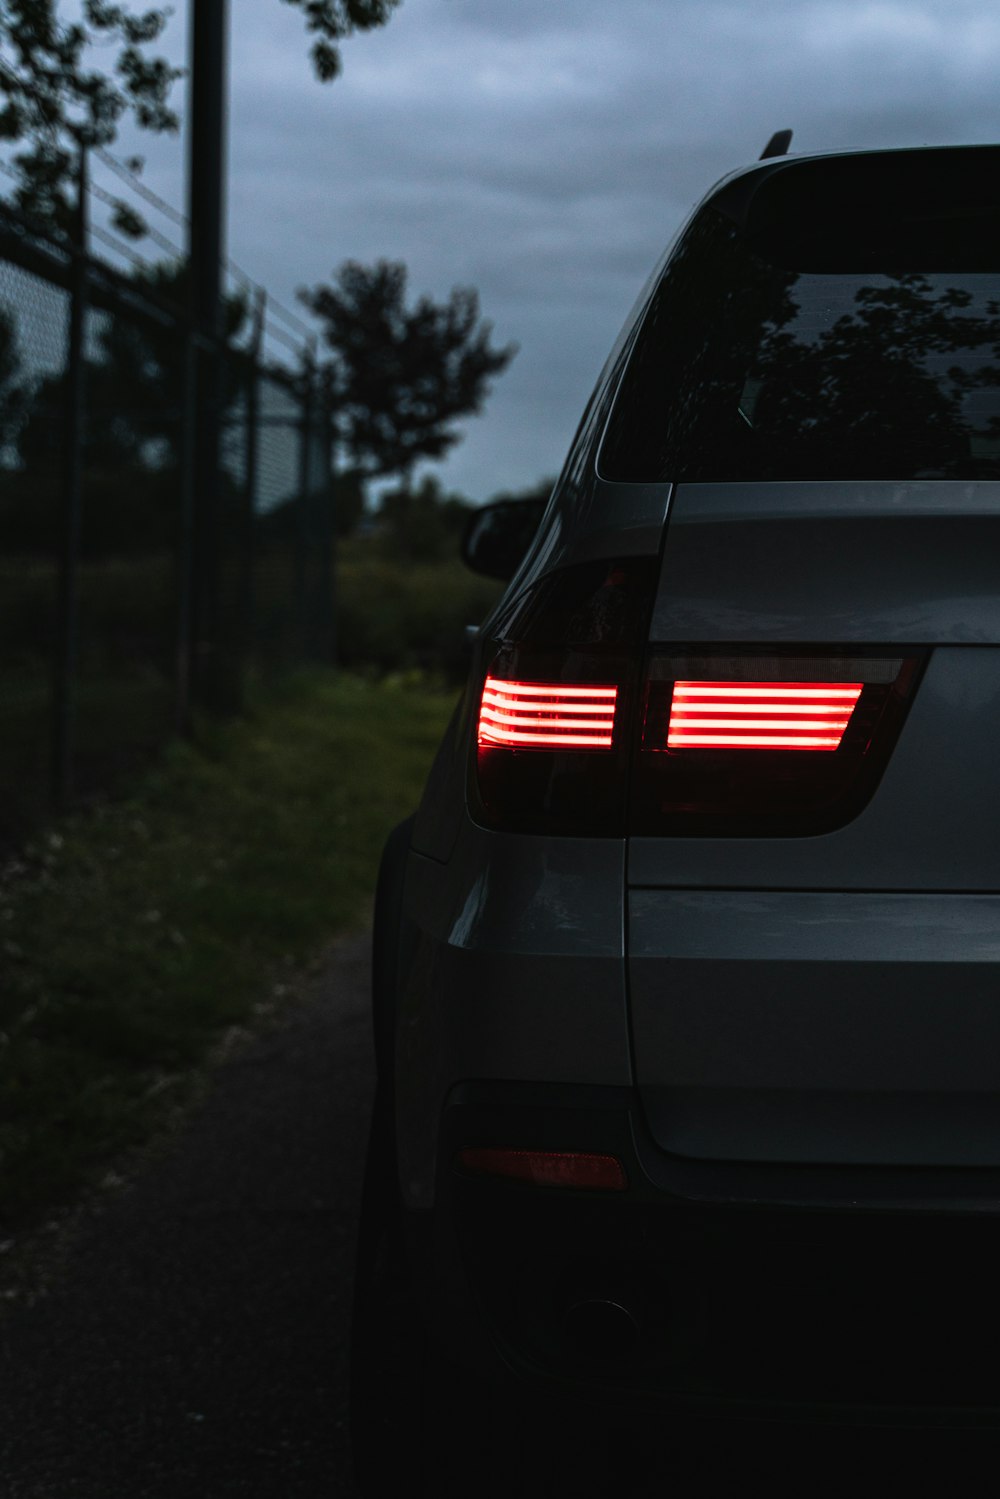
687	996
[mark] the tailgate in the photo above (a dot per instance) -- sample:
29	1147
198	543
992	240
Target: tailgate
832	996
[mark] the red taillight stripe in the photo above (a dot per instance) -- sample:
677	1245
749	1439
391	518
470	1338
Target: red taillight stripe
543	689
846	692
760	715
766	714
546	715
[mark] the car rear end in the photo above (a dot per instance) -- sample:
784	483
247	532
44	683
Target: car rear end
696	1019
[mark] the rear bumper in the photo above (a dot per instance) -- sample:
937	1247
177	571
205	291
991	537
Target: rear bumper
758	1293
774	1273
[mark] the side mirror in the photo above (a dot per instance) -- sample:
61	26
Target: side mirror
497	536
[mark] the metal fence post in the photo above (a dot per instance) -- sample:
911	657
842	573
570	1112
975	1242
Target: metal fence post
213	681
185	530
248	592
327	633
72	505
303	528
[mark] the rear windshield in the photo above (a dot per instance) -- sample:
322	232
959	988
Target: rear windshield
771	356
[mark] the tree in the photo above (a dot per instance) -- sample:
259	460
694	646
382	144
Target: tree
54	99
401	377
332	20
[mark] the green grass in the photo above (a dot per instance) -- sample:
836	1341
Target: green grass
131	936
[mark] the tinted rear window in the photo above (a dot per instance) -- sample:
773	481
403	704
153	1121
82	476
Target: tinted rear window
823	337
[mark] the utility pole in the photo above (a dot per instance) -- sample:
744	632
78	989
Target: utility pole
209	22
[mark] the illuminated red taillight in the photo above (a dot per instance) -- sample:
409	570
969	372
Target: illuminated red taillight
547	1168
546	715
760	715
703	714
558	709
581	728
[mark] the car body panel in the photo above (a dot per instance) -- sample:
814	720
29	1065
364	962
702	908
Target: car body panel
513	968
873	563
606	520
442	813
822	1027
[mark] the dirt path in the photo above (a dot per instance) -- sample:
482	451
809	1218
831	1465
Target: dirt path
195	1343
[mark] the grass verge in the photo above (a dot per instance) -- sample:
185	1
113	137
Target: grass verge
133	934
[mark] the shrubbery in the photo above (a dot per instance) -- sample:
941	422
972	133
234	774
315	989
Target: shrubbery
405	599
394	614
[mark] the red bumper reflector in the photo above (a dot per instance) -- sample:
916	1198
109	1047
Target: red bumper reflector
548	1168
760	715
544	715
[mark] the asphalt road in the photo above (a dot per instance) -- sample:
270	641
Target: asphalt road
195	1342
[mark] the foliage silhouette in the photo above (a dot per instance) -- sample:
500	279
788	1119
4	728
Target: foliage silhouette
55	98
879	383
424	524
400	377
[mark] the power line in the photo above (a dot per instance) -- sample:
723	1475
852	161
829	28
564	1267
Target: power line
283	337
122	170
121	248
275	308
148	231
296	322
154	200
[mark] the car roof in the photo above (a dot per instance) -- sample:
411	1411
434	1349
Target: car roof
735	193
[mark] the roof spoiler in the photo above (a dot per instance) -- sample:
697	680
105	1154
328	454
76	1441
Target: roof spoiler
777	146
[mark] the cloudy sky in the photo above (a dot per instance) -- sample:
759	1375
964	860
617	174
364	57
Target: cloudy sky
543	151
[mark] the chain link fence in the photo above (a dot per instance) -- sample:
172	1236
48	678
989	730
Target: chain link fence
115	589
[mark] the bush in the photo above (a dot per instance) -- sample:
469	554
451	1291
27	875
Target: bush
394	614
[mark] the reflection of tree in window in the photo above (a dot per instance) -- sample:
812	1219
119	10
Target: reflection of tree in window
894	379
745	369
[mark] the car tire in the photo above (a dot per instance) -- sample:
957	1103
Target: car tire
420	1425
